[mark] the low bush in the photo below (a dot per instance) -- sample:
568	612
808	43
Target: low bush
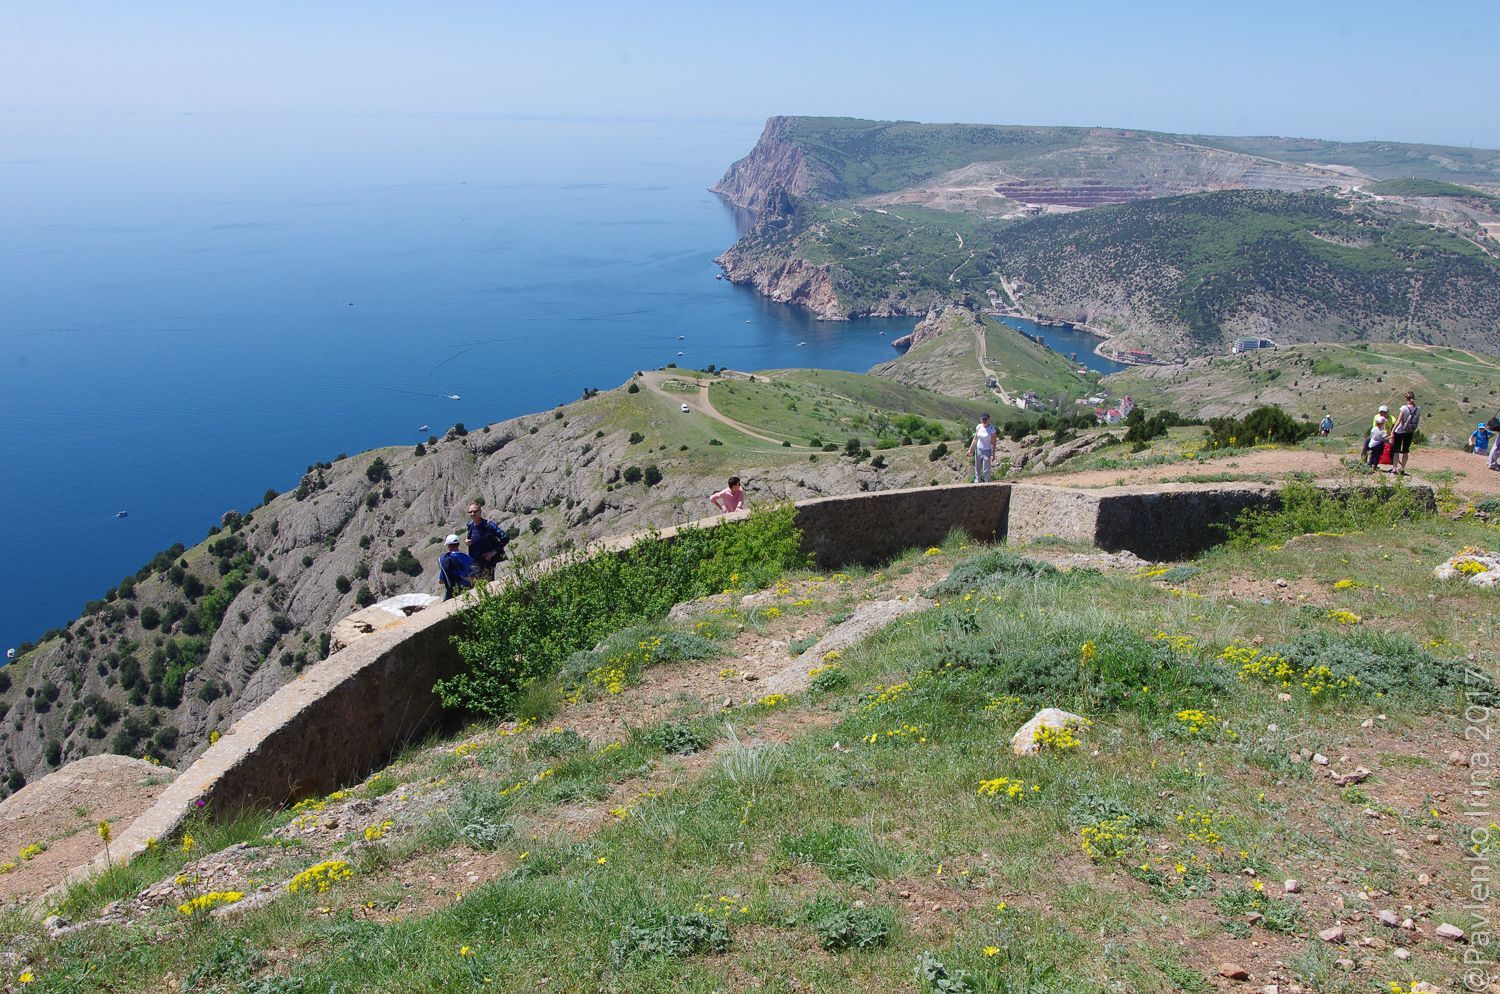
987	571
669	935
525	630
1264	424
1306	509
677	738
1382	664
841	926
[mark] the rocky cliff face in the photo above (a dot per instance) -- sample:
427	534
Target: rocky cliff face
203	635
774	164
785	279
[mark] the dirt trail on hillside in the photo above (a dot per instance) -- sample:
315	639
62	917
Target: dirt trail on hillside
62	811
698	402
1470	474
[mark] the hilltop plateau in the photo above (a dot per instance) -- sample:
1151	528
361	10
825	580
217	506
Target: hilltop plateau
809	780
1171	243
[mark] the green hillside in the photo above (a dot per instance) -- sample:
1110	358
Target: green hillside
1455	388
862	157
1411	187
1316	265
800	405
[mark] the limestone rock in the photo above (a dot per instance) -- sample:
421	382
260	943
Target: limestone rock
1233	971
1292	886
1334	934
1024	743
1450	932
1480	569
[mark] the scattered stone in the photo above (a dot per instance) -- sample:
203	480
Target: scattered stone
1024	743
1403	954
1347	965
1433	840
1233	971
1388	918
1360	775
1334	934
1292	886
1481	569
1408	924
1423	880
1271	989
1450	932
1367	723
1285	699
1280	581
1320	759
1457	758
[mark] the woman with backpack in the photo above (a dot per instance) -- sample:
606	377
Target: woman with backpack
1407	420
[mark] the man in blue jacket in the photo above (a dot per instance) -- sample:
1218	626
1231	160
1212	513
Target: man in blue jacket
486	543
455	569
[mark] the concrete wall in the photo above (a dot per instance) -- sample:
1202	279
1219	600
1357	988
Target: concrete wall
350	712
869	528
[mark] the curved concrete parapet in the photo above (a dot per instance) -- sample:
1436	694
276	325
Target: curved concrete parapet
344	716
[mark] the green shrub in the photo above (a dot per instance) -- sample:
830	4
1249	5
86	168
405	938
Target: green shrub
989	570
636	438
1384	663
627	649
669	935
1305	509
1282	917
556	744
933	975
677	738
841	926
1264	424
632	474
938	451
525	630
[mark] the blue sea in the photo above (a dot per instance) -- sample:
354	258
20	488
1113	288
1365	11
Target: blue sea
1068	341
197	307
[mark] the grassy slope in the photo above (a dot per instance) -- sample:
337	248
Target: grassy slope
897	826
1021	364
831	405
1455	388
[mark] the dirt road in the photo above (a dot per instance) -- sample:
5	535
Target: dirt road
1470	474
698	403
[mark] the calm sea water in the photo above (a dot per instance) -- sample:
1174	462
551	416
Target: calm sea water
1067	341
196	307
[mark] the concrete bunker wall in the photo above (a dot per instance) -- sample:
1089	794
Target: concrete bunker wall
349	713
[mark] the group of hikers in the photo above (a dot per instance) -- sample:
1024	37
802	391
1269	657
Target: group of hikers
1389	440
458	571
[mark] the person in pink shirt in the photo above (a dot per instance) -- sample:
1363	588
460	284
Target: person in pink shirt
730	498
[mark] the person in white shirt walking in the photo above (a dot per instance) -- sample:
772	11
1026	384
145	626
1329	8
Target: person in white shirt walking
982	448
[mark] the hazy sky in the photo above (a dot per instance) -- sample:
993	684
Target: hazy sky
1414	72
